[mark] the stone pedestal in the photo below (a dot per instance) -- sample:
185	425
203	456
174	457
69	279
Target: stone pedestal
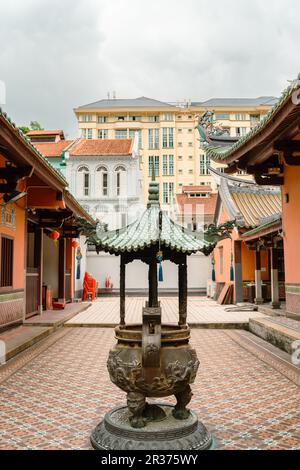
116	433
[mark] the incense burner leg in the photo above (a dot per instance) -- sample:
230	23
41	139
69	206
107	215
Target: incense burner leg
136	403
183	398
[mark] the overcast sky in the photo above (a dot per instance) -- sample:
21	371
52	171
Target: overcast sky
58	54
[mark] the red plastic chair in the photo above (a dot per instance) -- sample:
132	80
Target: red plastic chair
89	287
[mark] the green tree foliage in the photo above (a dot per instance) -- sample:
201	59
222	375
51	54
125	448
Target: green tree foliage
33	126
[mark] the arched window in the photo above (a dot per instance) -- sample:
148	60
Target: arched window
83	181
103	180
121	181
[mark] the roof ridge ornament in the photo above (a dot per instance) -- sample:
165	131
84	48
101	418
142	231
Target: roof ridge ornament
153	190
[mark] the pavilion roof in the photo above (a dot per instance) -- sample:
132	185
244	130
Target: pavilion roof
146	232
154	228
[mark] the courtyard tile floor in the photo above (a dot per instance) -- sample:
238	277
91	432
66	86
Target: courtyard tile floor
105	311
53	395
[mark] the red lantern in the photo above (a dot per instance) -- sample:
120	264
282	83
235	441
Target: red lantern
75	244
54	235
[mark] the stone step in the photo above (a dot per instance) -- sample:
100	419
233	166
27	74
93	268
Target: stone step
281	332
21	338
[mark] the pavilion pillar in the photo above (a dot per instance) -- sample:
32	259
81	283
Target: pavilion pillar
182	292
274	278
122	290
258	284
153	287
39	264
62	269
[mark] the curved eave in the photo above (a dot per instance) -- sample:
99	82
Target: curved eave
265	128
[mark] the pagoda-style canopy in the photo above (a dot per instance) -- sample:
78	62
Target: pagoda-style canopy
152	228
154	237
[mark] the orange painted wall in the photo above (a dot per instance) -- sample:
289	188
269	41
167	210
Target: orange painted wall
225	276
248	257
291	224
19	246
248	264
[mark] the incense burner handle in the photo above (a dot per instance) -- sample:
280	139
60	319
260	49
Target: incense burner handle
151	337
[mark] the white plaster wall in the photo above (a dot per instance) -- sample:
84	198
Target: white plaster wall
103	265
50	268
95	203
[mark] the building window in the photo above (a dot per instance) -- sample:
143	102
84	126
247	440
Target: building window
180	172
83	181
121	181
168	165
180	157
168	137
102	133
132	136
222	116
241	117
121	134
153	135
135	118
241	131
87	118
190	144
179	144
191	172
87	133
168	192
190	157
153	118
168	117
190	130
154	160
102	119
179	131
7	259
204	164
103	183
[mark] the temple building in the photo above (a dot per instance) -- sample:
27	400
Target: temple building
271	153
39	225
245	260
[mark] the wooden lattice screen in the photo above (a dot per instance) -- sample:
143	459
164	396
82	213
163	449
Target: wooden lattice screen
7	251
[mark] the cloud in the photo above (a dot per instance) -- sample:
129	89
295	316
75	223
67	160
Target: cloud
61	54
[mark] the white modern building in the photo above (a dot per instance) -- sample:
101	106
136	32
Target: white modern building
104	176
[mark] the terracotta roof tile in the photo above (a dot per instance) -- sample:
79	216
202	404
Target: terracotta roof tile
95	147
196	189
255	205
189	204
52	149
45	132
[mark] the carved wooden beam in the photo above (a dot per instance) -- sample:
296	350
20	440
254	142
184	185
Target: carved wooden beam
269	180
287	146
